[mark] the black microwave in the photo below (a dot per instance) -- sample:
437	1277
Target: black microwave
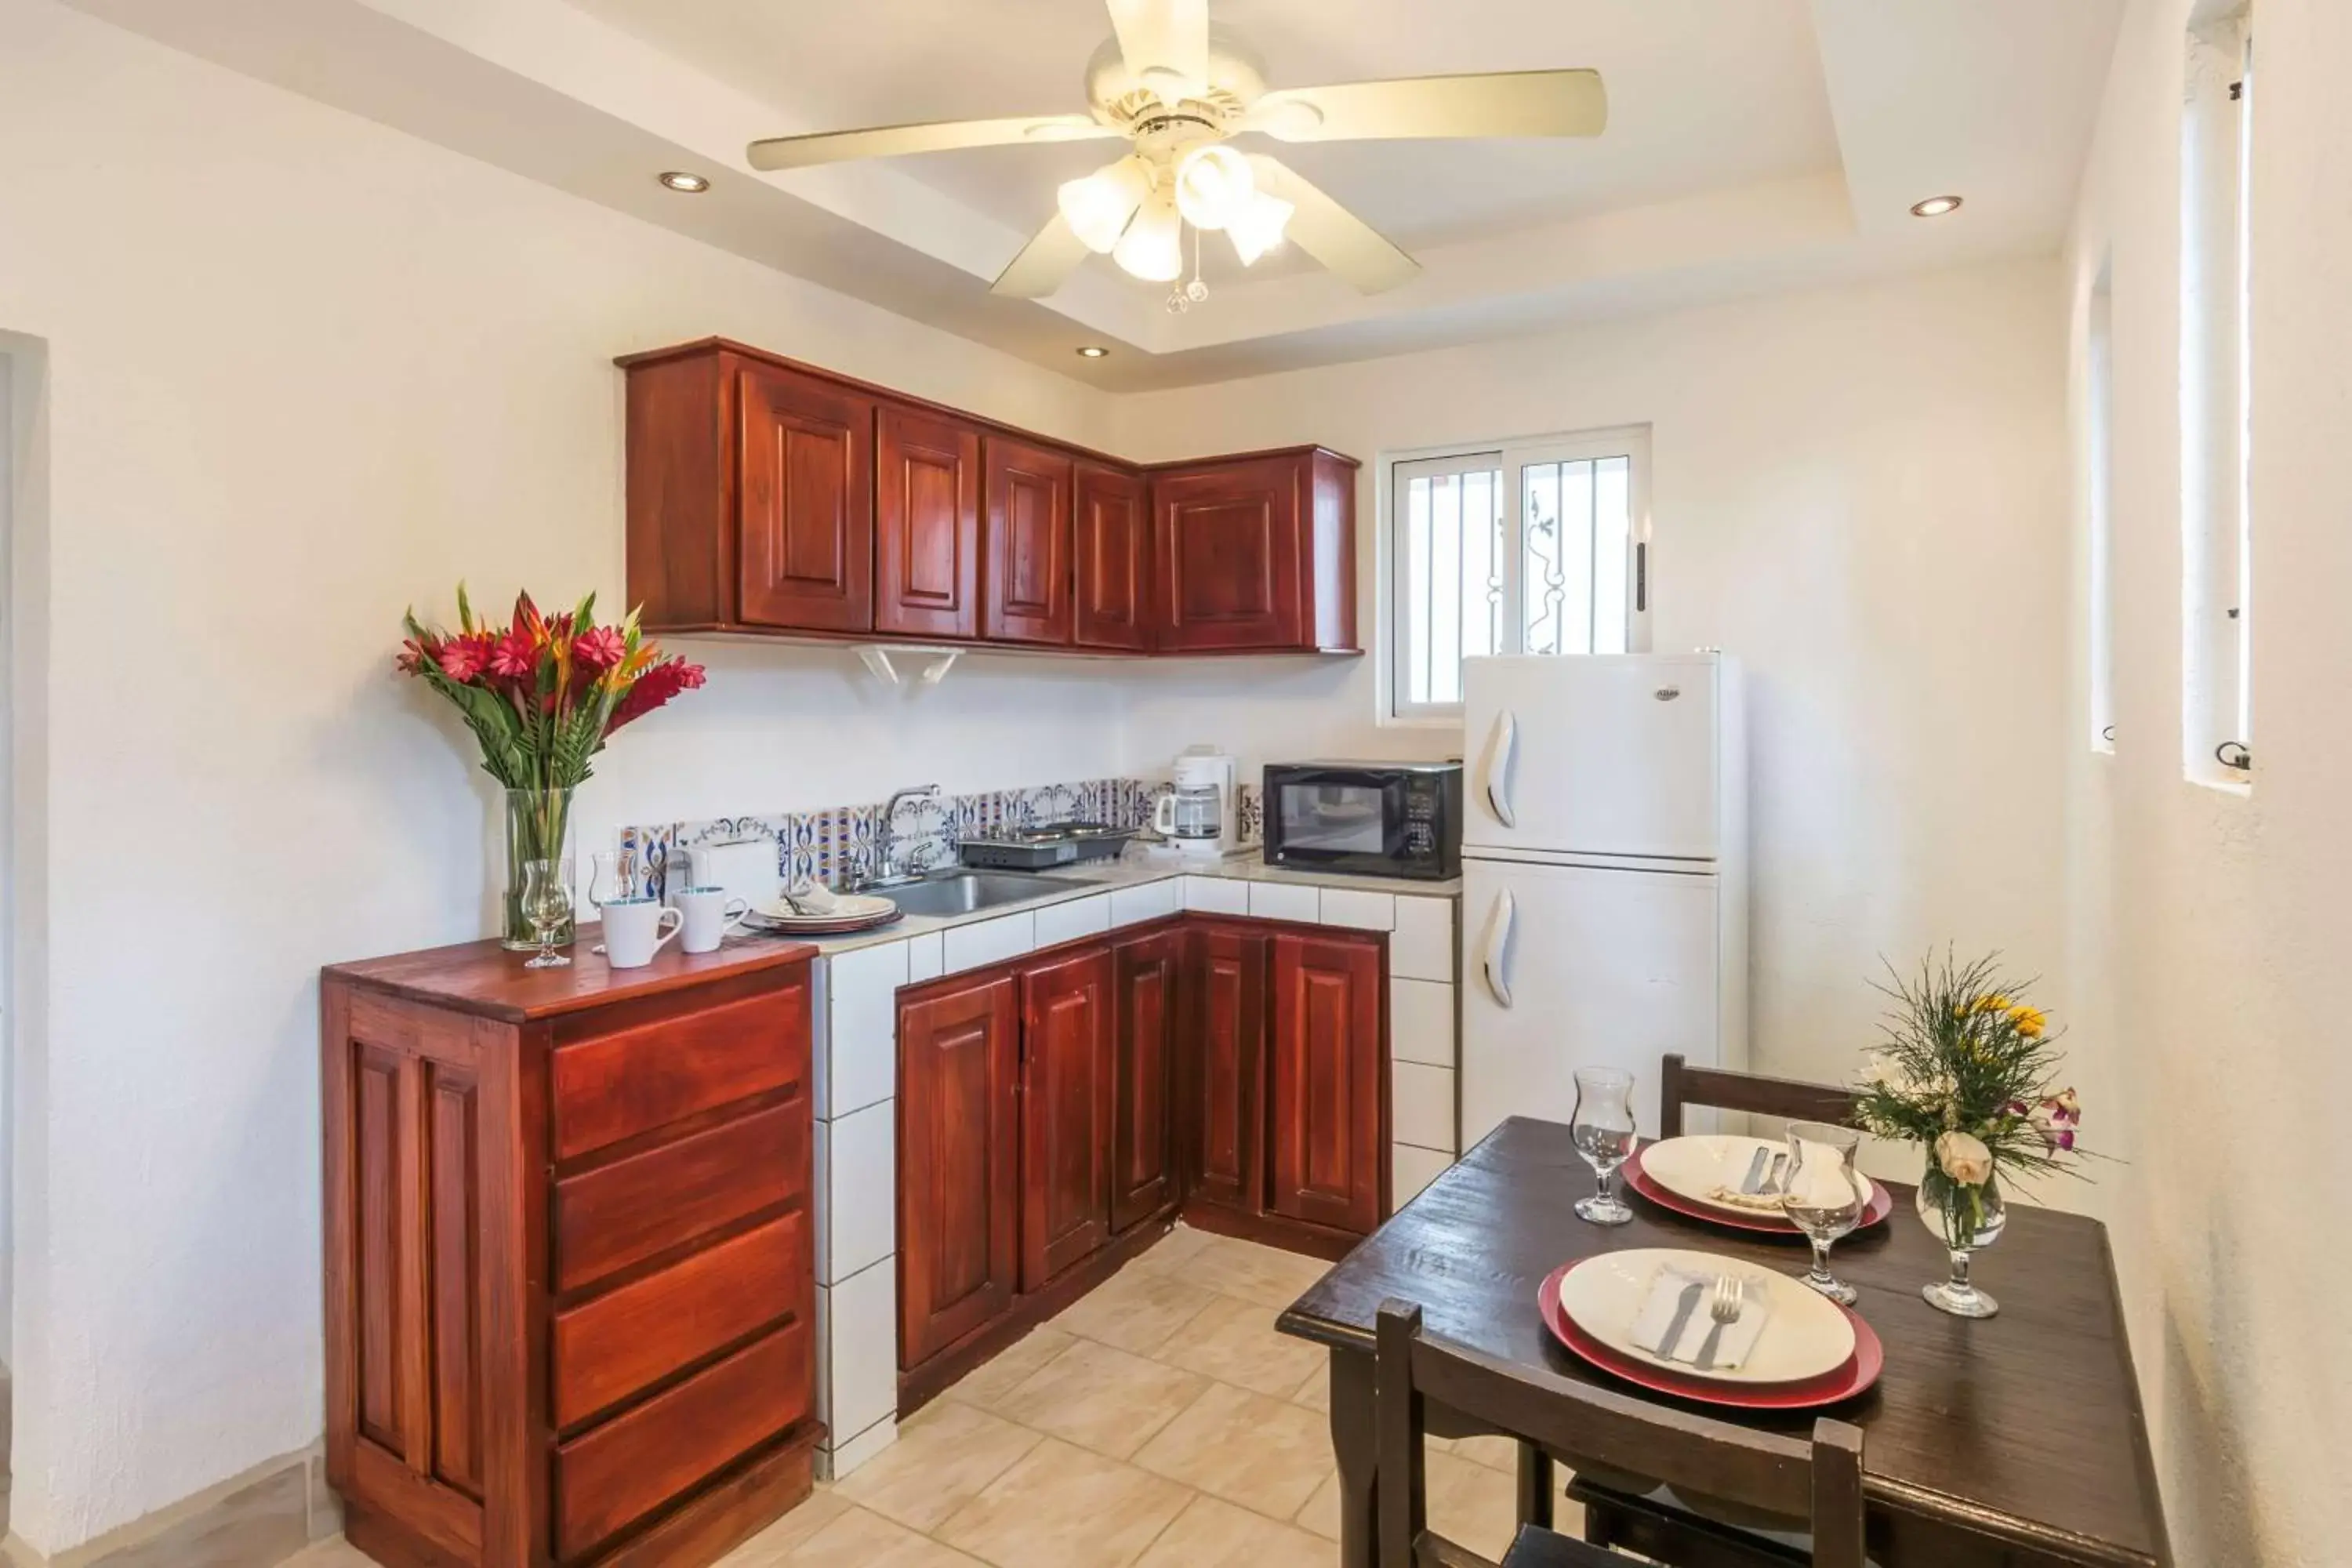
1372	819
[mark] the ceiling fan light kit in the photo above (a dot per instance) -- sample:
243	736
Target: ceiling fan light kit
1178	91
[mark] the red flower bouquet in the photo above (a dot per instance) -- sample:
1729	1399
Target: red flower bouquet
542	694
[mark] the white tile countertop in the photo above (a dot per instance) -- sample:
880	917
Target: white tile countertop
1143	884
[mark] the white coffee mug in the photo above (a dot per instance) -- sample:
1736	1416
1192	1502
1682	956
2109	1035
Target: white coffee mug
711	914
634	930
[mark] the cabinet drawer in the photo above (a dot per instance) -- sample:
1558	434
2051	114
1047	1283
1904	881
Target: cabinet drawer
632	1209
632	1465
628	1340
614	1086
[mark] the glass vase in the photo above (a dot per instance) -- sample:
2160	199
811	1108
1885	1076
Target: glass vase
539	827
1966	1219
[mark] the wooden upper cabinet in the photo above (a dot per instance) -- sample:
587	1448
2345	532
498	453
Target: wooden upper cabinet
959	1162
806	510
1026	597
1222	1121
1113	559
1327	1143
927	525
1256	555
1067	1089
770	497
1144	976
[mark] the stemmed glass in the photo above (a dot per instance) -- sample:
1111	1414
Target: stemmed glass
1824	1196
1602	1129
546	900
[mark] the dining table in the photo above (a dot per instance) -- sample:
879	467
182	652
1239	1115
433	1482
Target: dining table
2015	1441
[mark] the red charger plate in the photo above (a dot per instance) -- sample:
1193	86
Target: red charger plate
1880	1204
1861	1369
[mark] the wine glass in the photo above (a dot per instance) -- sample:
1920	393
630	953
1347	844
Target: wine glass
1602	1129
546	902
1824	1196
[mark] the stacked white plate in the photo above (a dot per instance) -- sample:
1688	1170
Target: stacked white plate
843	912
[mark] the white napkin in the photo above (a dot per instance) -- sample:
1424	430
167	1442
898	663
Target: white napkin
816	898
1664	1303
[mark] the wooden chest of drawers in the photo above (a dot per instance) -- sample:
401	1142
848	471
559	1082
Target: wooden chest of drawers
569	1276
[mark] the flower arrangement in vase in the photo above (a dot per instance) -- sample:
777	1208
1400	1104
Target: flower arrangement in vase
541	694
1969	1070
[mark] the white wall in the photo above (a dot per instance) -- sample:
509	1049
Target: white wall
2208	933
1863	492
304	370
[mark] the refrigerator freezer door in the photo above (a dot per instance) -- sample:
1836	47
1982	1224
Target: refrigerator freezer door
1571	966
1601	755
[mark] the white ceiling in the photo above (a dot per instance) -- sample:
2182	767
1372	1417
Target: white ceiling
1703	93
1751	144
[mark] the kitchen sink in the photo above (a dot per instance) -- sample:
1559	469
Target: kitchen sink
966	892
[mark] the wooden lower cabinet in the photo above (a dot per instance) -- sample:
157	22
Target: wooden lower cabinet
1225	1075
959	1162
1327	1144
1146	990
569	1280
1054	1111
1067	1113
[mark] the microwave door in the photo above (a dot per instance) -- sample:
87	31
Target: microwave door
1339	819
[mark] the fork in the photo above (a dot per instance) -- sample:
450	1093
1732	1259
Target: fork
1724	1306
1773	1186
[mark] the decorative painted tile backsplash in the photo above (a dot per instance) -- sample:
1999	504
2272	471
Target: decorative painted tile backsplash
839	842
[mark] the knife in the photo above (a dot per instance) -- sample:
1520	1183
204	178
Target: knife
1755	1172
1683	1310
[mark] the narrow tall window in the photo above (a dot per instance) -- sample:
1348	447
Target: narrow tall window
1519	547
2216	398
2099	367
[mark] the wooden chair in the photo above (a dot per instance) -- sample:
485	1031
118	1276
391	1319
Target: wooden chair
1777	1476
1680	1085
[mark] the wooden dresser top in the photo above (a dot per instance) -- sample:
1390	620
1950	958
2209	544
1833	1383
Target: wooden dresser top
484	978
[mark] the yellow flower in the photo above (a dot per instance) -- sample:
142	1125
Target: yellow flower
2030	1021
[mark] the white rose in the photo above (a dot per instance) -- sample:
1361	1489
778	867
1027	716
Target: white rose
1964	1158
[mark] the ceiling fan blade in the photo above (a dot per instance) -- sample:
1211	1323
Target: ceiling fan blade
1493	103
1331	233
1164	43
1044	263
938	136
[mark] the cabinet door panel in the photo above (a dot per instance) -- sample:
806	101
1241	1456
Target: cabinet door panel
1142	1148
1027	597
1224	1142
1326	1080
959	1171
805	512
927	521
1113	551
1066	1079
1229	552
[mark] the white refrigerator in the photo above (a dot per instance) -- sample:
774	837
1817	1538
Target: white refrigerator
1604	877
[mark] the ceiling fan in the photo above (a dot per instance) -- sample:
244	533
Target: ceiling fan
1178	91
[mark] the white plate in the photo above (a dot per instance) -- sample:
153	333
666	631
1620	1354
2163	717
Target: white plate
1694	1167
845	906
1807	1336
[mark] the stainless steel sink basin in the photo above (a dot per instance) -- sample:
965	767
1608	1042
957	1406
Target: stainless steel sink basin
966	892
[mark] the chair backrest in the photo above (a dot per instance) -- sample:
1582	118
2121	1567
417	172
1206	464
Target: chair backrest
1820	1481
1680	1084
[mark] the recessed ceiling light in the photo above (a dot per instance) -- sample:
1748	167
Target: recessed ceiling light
1094	351
679	180
1936	206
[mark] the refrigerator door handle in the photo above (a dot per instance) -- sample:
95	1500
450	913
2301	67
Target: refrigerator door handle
1502	749
1495	960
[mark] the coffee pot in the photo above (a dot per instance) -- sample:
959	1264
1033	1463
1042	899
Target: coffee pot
1201	812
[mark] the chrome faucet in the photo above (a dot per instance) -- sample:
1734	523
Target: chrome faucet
886	837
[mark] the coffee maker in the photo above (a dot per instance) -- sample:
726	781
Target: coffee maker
1201	813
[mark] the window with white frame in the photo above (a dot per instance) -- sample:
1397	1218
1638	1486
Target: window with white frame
1538	546
2216	398
2099	460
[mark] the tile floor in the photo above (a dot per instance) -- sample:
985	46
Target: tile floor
1159	1423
